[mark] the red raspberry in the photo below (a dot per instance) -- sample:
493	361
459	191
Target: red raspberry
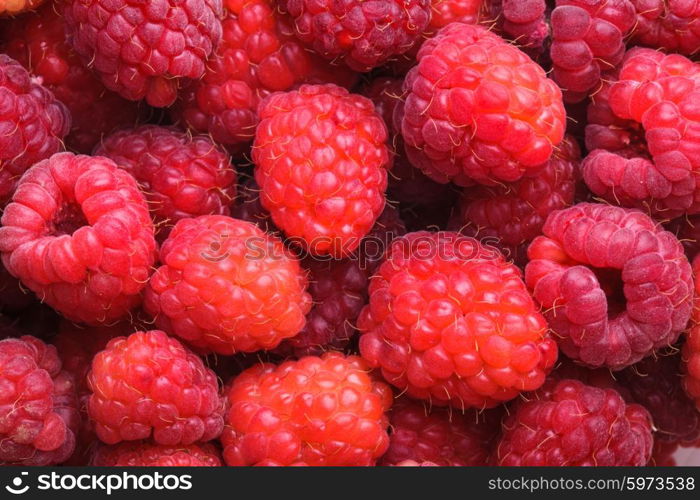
144	454
671	25
451	321
655	383
321	157
258	55
478	109
249	208
316	411
145	49
614	285
78	234
439	436
149	384
226	286
17	6
32	126
576	425
687	230
38	405
363	34
588	38
691	348
654	95
413	463
386	93
38	42
510	216
182	175
522	21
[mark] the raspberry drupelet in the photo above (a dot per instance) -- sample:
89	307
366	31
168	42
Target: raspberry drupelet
38	404
614	285
575	425
450	321
181	175
670	25
317	411
226	286
363	34
78	234
321	162
477	109
32	124
37	41
148	385
145	50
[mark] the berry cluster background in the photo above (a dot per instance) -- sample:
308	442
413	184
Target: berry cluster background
349	232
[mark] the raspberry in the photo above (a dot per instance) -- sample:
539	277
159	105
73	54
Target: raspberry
17	6
338	289
38	405
37	41
671	25
385	93
148	384
144	454
655	383
438	436
522	21
182	175
587	40
478	109
78	234
687	230
316	411
321	157
614	285
226	286
691	348
654	96
450	321
144	50
249	208
363	34
512	215
576	425
32	126
258	55
413	463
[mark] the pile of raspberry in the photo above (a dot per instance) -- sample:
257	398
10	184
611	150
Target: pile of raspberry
360	233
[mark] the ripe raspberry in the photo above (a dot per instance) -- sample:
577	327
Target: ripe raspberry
439	436
478	109
226	286
413	463
512	215
614	285
338	289
576	425
321	158
386	93
38	405
12	7
249	208
149	384
653	97
671	25
258	55
687	230
145	50
32	126
587	40
316	411
182	175
363	34
78	234
144	454
450	321
655	383
37	41
691	348
522	21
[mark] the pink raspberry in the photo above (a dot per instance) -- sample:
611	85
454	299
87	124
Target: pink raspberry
670	25
145	50
79	235
145	454
614	286
182	175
